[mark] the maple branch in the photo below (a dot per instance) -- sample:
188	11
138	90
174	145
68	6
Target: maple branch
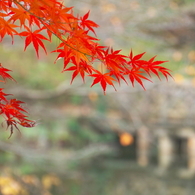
76	47
60	90
65	88
34	155
41	20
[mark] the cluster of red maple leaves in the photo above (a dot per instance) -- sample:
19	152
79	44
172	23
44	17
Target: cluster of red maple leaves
38	20
11	109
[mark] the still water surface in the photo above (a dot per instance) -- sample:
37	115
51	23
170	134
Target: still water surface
106	177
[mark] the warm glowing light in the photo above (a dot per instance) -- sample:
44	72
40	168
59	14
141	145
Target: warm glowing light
126	139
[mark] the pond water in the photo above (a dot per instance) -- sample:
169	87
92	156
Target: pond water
106	177
99	176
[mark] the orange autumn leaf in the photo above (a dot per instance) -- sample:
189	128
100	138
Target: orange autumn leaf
7	28
19	14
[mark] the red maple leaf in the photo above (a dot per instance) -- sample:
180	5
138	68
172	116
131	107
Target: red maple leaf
6	27
35	38
13	112
82	68
136	75
103	79
2	95
4	74
19	14
135	60
153	66
88	23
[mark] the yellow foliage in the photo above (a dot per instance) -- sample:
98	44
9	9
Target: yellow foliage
190	70
9	186
191	56
178	78
50	180
108	7
30	179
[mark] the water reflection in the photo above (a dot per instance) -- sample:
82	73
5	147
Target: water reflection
108	177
